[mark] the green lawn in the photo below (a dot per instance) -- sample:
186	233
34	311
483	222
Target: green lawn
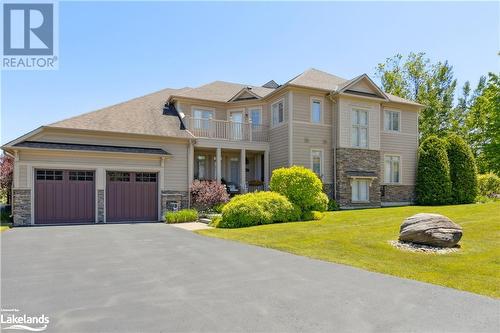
3	228
360	238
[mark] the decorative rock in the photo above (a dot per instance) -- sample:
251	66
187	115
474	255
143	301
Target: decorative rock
430	229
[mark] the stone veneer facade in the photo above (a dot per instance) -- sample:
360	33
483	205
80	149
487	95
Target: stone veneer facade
350	159
100	206
21	207
397	193
168	197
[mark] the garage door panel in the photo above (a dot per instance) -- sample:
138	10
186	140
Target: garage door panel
131	196
64	196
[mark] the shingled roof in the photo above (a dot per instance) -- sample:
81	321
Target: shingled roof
142	115
221	91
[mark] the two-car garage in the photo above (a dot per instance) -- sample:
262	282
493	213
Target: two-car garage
69	196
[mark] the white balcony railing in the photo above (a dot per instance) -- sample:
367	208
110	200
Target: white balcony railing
227	130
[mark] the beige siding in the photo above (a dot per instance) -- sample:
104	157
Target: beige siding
278	152
404	144
279	136
345	108
175	166
307	137
363	86
23	181
302	107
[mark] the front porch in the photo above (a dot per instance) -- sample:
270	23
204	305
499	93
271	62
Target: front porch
241	170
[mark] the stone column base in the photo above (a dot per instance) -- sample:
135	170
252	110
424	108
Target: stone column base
173	200
100	206
21	207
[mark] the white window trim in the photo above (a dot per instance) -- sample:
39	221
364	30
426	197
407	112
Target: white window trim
321	166
255	108
369	180
229	111
399	121
321	100
357	108
281	100
202	108
400	169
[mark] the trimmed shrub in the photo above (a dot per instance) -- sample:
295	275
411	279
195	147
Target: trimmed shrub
215	222
489	185
301	186
206	194
257	208
180	216
433	185
463	170
333	205
312	216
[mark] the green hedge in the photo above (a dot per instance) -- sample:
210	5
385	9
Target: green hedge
257	208
463	171
301	186
183	215
433	185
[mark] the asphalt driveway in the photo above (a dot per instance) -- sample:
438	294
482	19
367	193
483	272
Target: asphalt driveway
157	278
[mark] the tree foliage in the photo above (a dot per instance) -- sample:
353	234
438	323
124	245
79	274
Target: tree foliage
475	116
433	186
430	84
206	194
483	124
6	177
463	171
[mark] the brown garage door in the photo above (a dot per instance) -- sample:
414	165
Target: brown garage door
64	196
131	196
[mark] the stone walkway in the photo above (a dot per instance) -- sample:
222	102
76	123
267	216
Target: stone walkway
191	226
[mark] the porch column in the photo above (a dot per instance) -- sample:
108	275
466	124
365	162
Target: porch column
266	168
218	164
190	165
243	172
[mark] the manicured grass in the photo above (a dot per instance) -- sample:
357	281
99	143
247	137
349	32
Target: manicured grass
360	238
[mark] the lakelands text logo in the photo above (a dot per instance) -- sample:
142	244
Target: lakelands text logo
13	319
30	35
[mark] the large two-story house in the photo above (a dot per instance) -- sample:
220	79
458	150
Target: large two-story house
135	160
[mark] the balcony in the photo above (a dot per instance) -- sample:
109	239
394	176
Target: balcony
227	130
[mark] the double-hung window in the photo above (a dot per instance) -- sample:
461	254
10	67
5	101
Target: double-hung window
317	161
360	190
256	117
278	112
392	121
316	111
359	132
202	118
391	169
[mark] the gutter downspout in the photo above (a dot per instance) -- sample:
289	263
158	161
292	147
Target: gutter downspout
334	144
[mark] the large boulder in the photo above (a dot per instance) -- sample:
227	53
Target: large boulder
430	229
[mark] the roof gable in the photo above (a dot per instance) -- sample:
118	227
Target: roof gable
363	86
244	94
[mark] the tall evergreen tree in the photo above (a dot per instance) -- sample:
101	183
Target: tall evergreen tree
433	185
463	171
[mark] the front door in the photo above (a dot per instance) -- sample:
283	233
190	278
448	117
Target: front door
235	170
236	125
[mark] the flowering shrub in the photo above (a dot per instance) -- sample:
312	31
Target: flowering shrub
205	194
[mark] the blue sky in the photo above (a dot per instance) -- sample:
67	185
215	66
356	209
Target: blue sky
111	52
